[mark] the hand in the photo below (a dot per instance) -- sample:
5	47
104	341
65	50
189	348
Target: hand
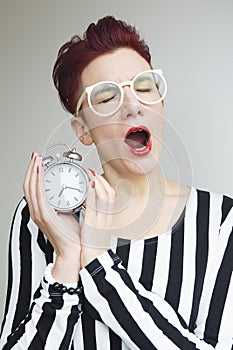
63	231
96	229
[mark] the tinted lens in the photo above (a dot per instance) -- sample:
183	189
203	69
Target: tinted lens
149	87
105	98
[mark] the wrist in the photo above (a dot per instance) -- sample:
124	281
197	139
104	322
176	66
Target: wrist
66	268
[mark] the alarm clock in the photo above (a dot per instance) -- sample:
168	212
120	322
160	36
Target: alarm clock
66	182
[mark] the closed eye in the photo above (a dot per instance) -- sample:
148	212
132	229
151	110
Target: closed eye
144	90
108	99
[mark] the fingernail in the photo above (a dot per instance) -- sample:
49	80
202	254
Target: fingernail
32	155
37	169
92	171
93	184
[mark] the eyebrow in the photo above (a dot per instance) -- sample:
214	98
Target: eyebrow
140	79
104	89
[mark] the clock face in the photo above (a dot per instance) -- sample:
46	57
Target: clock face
65	186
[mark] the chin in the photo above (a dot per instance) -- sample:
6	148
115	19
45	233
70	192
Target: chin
142	167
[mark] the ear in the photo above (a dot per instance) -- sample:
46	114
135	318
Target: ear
81	130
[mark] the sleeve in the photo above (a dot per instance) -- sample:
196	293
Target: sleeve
36	315
141	318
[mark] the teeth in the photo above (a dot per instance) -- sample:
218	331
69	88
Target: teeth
139	130
140	144
140	148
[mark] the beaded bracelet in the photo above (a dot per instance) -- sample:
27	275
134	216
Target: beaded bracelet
59	287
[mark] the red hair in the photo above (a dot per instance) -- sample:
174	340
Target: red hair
107	35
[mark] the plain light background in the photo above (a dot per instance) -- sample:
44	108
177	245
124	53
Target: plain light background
192	41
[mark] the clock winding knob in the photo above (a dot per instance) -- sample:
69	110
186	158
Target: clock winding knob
73	154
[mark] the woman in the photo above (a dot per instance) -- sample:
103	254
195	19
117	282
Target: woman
149	264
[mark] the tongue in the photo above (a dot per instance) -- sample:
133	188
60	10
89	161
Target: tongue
137	139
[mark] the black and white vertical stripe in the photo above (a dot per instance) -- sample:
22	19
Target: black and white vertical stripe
174	291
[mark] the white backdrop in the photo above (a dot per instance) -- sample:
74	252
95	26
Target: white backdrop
192	41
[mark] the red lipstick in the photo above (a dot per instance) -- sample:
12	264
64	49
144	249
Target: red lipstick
138	139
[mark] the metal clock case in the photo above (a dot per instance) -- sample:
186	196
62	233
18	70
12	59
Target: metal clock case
66	182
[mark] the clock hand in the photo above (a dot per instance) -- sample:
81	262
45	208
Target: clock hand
74	188
63	187
61	192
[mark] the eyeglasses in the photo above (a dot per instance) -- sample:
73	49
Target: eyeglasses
106	97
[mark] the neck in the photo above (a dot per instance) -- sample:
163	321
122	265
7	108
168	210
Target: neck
140	200
138	185
146	205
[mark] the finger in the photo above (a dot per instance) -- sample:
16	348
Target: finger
101	187
106	201
45	210
95	207
105	193
90	212
102	196
91	174
28	175
31	189
99	203
104	205
45	215
94	234
110	192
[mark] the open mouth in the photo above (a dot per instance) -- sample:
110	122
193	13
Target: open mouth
138	139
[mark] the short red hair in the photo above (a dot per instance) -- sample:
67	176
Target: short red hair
107	35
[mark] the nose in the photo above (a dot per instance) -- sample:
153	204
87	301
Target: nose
131	106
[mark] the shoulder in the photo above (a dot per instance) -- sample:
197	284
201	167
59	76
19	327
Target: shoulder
218	206
225	200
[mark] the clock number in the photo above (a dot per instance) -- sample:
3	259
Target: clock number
61	170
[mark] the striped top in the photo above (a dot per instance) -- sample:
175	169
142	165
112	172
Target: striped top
174	291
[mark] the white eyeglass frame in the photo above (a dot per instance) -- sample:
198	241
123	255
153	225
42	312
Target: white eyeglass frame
130	83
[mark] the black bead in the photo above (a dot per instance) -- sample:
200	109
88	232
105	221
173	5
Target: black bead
59	287
71	291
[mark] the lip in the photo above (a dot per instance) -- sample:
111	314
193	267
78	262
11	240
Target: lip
145	150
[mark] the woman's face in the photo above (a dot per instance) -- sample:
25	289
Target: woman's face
130	139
